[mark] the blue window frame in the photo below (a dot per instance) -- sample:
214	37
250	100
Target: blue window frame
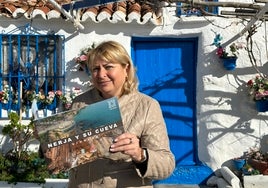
30	66
185	9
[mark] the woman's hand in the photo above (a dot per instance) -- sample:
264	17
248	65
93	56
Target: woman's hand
128	144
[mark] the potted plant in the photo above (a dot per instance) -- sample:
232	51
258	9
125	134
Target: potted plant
258	90
19	164
239	162
228	58
9	98
258	160
68	97
252	162
51	100
82	58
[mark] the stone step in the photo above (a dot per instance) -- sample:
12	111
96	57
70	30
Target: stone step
256	181
188	175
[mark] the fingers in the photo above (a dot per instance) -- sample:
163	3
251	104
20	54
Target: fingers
126	137
130	140
128	144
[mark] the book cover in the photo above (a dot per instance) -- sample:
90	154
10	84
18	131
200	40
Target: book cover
76	137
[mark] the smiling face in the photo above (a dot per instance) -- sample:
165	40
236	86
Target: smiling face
112	70
109	78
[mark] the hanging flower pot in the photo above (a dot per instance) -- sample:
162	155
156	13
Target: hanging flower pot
228	57
229	63
262	105
258	91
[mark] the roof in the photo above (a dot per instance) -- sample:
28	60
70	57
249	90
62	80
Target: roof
122	11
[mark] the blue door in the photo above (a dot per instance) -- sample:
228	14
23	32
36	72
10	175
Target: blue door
166	69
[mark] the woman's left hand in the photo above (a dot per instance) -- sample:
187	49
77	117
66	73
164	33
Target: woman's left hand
128	144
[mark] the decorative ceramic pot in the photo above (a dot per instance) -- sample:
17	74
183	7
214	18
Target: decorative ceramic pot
229	63
262	105
261	166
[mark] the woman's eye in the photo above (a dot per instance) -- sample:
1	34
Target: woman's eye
108	67
96	69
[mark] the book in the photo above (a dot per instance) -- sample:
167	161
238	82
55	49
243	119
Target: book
76	137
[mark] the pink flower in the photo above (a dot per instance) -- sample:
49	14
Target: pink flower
58	93
258	88
81	59
67	105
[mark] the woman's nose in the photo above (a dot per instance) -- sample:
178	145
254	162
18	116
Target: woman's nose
102	73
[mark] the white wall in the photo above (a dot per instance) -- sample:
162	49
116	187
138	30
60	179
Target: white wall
228	123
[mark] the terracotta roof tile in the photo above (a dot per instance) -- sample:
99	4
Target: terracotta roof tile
123	11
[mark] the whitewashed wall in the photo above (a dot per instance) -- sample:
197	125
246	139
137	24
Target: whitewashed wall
228	123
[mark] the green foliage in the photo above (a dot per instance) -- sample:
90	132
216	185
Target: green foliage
18	132
20	165
29	168
258	88
249	170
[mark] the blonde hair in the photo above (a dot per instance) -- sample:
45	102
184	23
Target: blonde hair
114	52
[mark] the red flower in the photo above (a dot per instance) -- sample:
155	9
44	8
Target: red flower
1	95
250	83
220	51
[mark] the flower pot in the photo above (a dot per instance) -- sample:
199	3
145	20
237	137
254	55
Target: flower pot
229	63
239	163
4	106
15	107
262	105
51	106
259	165
40	105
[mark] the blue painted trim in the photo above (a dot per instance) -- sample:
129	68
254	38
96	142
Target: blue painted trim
197	173
14	75
188	175
86	3
1	77
36	63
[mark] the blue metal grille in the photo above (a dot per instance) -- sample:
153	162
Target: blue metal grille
29	64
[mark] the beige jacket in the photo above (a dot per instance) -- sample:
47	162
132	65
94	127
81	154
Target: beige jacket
142	116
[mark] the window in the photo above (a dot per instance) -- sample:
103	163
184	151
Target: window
32	66
185	9
211	9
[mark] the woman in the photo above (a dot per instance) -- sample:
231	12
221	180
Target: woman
142	153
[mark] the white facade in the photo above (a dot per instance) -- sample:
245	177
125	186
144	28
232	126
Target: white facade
227	120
